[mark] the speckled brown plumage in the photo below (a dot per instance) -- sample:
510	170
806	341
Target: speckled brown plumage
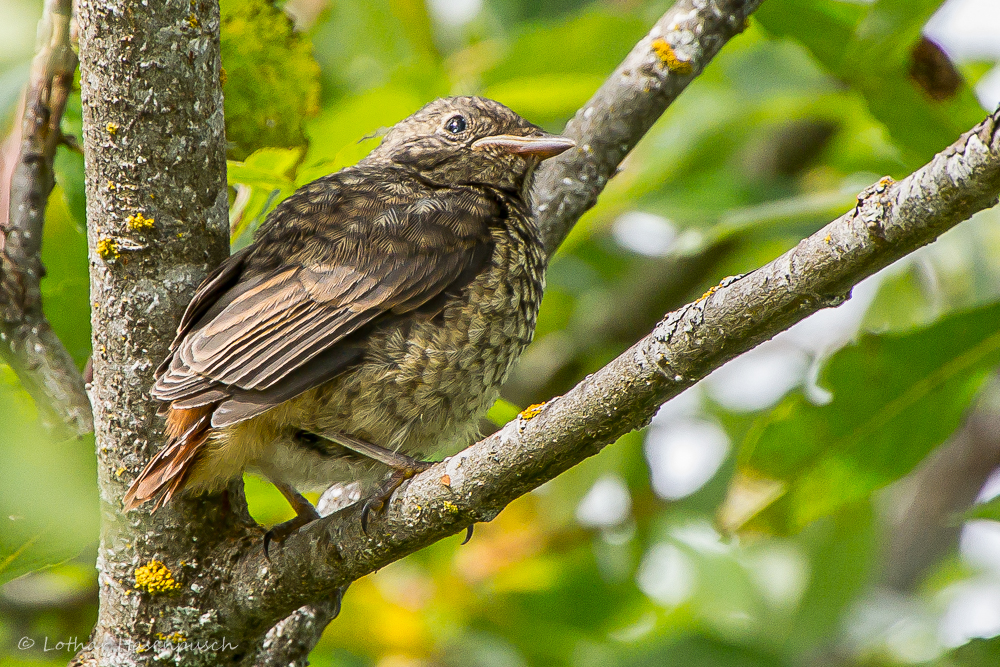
385	304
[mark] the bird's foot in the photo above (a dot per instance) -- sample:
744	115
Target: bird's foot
403	467
304	513
377	502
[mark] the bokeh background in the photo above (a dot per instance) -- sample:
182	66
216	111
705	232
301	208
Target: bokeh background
822	501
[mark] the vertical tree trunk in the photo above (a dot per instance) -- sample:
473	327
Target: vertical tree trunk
154	142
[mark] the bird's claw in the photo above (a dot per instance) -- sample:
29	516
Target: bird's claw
376	504
271	536
338	599
279	533
380	499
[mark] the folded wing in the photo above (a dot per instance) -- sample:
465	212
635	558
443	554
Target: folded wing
260	335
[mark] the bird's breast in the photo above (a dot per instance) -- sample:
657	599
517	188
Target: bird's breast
425	381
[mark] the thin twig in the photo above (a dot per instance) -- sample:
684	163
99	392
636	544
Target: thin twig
30	345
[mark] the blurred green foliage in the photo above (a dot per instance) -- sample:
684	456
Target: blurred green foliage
895	398
780	558
270	80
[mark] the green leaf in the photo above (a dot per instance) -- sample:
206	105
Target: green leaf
363	46
268	173
841	565
593	43
266	168
345	133
545	97
696	650
416	22
977	653
339	137
66	285
48	498
27	548
502	412
895	398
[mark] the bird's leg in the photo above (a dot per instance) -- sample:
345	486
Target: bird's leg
304	513
403	468
389	457
377	501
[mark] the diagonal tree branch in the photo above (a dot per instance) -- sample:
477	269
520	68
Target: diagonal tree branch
890	220
29	344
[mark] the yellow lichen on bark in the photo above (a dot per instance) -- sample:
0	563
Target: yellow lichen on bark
154	577
107	249
531	411
668	57
138	222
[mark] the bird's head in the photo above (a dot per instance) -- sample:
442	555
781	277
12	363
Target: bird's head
470	140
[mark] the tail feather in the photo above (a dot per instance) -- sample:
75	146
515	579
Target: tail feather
167	472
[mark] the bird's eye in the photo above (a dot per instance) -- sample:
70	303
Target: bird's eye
455	124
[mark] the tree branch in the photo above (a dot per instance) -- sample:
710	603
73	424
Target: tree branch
289	643
30	346
946	484
890	220
655	72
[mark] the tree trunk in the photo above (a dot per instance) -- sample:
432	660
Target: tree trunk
154	143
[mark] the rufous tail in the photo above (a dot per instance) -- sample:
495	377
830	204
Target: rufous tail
168	471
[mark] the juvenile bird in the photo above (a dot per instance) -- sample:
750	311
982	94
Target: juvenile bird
370	323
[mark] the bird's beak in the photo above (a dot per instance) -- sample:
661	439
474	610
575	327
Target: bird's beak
543	147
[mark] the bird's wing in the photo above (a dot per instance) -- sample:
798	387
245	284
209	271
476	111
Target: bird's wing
255	339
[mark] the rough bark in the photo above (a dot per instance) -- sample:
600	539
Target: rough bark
154	144
27	342
289	643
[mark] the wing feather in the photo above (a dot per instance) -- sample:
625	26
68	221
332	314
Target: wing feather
260	331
